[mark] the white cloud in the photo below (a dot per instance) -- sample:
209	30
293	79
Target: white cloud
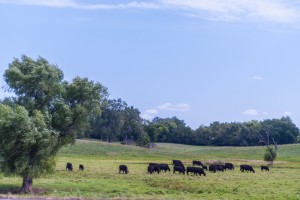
287	113
279	11
250	112
231	10
257	78
175	107
151	111
265	113
149	114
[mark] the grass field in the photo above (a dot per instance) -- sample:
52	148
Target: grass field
102	180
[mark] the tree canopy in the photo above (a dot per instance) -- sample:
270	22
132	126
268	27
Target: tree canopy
45	114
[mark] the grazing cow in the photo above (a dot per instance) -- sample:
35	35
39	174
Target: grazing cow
154	168
212	168
69	167
204	167
81	167
150	169
164	167
215	168
177	162
266	168
153	164
178	168
124	169
247	168
229	166
196	162
195	170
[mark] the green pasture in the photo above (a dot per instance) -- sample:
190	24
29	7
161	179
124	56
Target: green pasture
101	179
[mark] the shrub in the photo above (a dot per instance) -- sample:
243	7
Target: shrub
270	154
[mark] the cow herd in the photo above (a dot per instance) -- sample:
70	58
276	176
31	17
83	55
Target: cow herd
197	169
179	167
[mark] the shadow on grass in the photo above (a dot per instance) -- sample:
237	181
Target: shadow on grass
9	189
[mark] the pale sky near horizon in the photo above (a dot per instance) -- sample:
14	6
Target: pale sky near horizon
199	60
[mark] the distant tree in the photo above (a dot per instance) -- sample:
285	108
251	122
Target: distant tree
108	125
117	122
271	152
46	114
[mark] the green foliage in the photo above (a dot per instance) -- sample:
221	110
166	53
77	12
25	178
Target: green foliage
46	114
117	122
270	154
26	143
143	141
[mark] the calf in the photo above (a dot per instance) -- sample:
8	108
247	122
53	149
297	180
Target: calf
69	167
266	168
178	168
196	162
204	167
195	170
124	169
81	167
247	168
229	166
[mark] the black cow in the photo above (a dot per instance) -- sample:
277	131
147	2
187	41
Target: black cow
124	169
196	162
177	162
150	169
81	167
195	170
204	167
215	168
212	168
153	168
178	168
247	168
266	168
69	167
153	164
164	167
229	166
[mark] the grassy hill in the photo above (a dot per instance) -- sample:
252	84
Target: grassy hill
102	180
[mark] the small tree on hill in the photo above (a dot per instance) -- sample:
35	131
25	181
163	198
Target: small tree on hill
271	152
46	114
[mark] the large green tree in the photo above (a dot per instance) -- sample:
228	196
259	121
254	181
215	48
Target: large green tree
45	114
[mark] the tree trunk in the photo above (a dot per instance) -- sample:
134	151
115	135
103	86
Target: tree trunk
27	185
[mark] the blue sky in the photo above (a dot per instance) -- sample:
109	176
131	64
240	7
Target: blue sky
199	60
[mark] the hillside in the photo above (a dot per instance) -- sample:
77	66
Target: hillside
168	151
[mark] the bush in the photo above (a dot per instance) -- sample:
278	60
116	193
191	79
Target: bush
270	154
143	141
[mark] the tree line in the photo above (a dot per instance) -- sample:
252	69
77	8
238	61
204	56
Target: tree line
118	121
